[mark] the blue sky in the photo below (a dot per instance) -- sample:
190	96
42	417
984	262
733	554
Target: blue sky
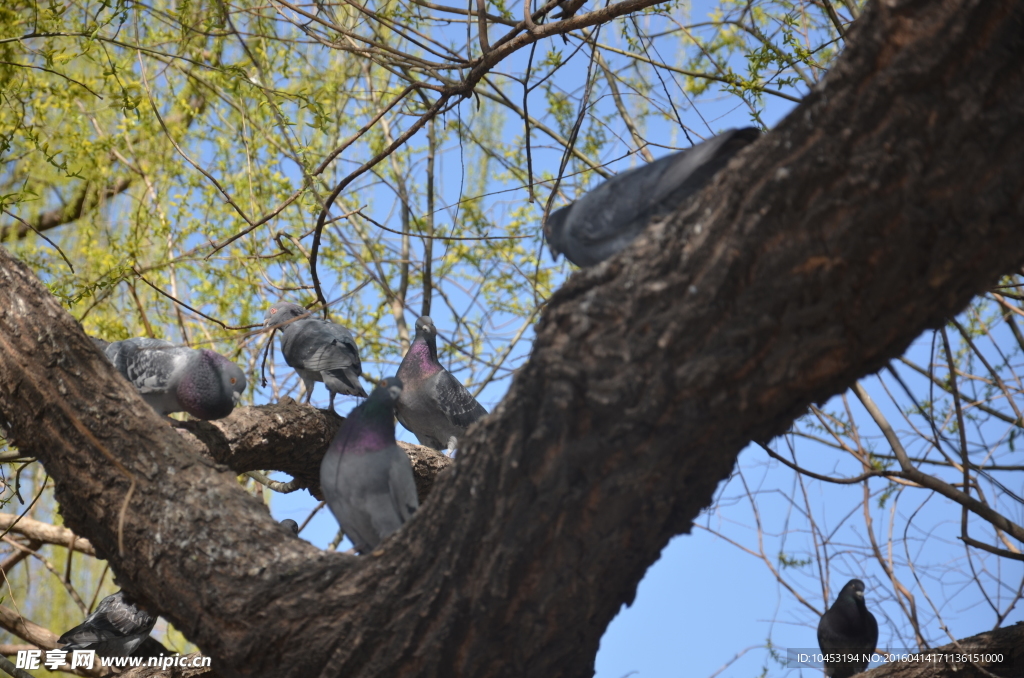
706	600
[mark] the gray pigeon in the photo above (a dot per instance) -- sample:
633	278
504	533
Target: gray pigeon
179	379
434	405
116	629
608	218
291	526
366	477
848	628
318	350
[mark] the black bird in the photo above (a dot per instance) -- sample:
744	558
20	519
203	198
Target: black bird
848	628
434	405
116	629
318	350
366	477
291	526
608	218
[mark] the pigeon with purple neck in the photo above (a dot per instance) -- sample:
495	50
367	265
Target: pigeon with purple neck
177	378
318	350
365	476
434	405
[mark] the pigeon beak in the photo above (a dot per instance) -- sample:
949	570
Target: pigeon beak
235	397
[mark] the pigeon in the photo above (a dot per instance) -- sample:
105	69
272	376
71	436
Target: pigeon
608	218
366	477
291	526
179	379
848	628
318	349
568	9
116	629
434	405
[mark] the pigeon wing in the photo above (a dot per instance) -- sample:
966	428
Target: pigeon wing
320	346
153	371
92	630
128	619
402	483
113	619
340	478
618	206
120	353
454	401
690	170
828	640
149	364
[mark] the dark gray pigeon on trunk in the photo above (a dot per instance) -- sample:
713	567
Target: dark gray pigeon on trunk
291	526
318	350
179	379
116	629
434	405
848	628
366	477
608	218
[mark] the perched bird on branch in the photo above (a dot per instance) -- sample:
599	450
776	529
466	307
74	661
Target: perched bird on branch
291	526
848	628
116	629
608	218
177	378
568	9
366	477
318	350
434	405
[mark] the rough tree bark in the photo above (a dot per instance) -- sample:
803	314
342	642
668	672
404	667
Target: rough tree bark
888	198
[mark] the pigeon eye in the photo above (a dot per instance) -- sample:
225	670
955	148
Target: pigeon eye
233	380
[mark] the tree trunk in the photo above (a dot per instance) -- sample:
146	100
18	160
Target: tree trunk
888	198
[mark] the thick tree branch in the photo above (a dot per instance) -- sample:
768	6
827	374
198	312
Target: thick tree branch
87	199
44	533
292	438
14	623
1009	642
186	671
888	198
